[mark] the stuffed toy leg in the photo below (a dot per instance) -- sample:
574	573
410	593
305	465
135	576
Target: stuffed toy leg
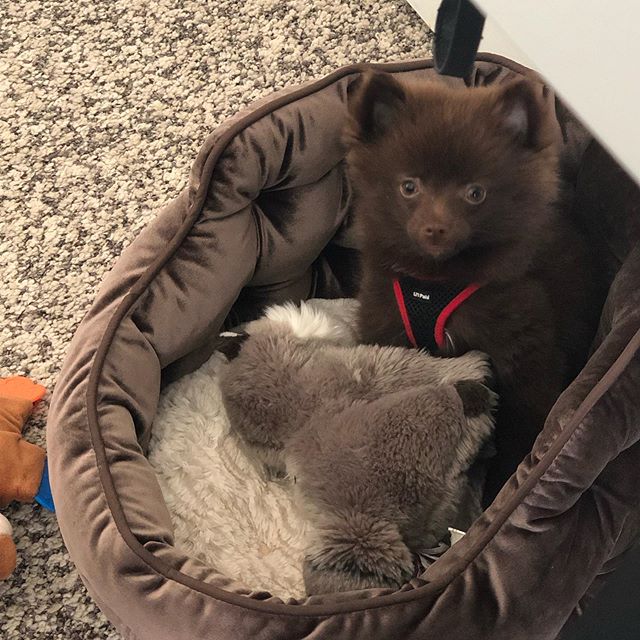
22	464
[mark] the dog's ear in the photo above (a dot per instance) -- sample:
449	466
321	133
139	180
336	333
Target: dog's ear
375	101
522	112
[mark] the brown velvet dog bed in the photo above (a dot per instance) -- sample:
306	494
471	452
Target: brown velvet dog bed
264	219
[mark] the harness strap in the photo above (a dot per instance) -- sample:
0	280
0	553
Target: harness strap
426	306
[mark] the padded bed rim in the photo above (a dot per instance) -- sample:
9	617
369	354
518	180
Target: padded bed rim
197	201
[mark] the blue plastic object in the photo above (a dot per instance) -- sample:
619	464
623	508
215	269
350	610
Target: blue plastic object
44	497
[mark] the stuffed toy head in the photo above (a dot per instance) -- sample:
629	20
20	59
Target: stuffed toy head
377	441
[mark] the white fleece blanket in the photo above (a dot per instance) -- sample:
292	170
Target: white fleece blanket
223	510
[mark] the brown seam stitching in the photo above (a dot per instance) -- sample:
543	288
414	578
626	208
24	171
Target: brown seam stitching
129	300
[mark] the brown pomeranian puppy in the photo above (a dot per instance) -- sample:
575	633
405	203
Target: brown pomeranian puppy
463	243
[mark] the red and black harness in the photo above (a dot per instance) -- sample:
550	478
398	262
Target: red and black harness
425	306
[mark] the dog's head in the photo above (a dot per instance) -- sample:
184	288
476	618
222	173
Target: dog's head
449	180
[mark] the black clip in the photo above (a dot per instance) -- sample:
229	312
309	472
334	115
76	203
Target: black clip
458	33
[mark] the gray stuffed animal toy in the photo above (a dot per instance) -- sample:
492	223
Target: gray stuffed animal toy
378	441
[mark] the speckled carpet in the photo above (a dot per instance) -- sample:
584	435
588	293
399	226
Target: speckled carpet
103	106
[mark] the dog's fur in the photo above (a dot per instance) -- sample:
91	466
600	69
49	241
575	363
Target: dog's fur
536	314
378	440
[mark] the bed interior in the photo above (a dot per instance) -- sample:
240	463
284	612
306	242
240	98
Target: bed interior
598	194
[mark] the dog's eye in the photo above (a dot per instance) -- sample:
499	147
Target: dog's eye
409	188
475	194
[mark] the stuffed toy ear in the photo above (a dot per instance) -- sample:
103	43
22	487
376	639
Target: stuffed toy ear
377	98
478	404
230	343
477	398
522	113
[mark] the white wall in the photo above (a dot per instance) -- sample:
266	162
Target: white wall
589	50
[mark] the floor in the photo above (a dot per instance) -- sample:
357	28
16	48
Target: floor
103	106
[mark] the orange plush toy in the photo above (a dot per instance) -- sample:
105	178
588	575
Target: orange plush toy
21	463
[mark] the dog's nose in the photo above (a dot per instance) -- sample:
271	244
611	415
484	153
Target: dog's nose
435	231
